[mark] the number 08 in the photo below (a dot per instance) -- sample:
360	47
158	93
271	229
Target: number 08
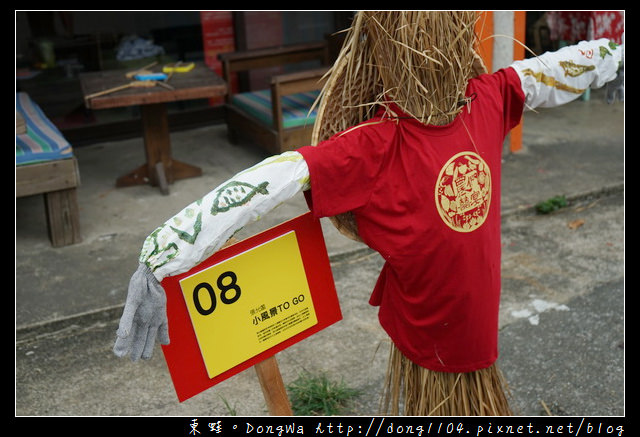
231	285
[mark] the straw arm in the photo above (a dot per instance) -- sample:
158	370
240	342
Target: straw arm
556	78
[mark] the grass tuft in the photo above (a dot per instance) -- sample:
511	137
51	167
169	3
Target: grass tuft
317	395
551	204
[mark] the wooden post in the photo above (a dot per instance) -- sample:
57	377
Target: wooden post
273	388
63	218
157	143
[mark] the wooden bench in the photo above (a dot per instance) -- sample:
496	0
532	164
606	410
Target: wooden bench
45	165
277	118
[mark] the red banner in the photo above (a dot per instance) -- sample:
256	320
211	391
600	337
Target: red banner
217	37
574	26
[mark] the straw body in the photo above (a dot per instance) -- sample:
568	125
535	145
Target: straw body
411	390
421	61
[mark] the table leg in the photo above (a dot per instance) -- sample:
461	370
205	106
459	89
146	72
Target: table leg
160	169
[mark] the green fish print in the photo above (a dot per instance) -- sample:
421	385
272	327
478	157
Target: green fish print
152	253
574	70
236	194
185	236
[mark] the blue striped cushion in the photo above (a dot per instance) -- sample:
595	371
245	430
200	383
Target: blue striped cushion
295	107
42	141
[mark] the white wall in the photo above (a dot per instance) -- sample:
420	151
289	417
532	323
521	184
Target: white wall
503	41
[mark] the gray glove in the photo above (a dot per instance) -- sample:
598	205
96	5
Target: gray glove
615	88
144	317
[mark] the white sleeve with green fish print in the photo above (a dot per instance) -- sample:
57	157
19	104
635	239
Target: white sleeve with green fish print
556	78
201	228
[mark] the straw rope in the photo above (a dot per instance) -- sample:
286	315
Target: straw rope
411	390
421	60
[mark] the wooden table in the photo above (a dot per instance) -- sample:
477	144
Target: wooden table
160	169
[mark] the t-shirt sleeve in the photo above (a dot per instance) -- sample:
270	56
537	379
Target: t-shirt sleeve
513	97
556	78
344	170
505	88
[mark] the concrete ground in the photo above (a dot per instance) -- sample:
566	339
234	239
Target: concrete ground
562	315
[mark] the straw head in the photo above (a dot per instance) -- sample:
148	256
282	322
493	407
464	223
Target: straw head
419	60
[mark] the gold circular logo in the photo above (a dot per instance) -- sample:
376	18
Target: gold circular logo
463	192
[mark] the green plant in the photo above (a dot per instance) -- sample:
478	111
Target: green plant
551	204
317	395
231	410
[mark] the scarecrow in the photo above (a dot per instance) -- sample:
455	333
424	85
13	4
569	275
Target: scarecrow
406	158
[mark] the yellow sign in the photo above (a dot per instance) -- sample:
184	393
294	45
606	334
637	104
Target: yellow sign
249	303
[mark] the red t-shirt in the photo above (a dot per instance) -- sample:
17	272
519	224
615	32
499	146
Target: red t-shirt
427	198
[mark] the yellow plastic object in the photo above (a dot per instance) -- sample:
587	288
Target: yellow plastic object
178	67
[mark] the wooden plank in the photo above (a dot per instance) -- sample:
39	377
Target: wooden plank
293	138
303	81
199	83
47	176
273	56
249	126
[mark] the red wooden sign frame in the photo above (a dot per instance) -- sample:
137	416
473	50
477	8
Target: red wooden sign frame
183	356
